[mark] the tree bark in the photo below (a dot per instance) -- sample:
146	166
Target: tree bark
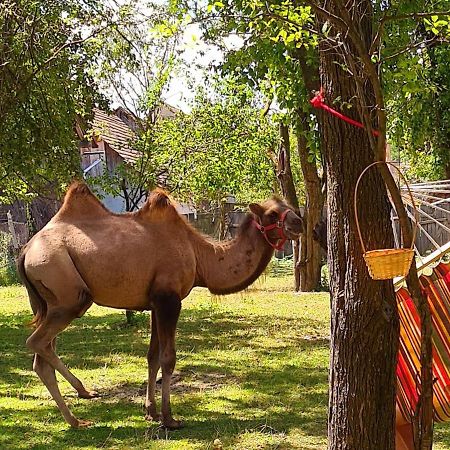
309	262
286	181
310	256
364	319
307	252
284	171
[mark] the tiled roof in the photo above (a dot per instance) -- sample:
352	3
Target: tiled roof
116	133
116	129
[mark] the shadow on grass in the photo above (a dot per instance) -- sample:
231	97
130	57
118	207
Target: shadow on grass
112	425
87	341
442	434
289	396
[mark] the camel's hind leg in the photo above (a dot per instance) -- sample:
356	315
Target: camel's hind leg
153	367
40	342
45	333
56	320
47	374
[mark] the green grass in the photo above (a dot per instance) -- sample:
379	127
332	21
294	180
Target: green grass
252	371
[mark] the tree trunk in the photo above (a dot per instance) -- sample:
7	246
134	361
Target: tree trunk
310	258
364	320
309	262
296	257
284	172
307	252
286	181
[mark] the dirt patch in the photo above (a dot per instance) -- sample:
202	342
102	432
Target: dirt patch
182	382
188	382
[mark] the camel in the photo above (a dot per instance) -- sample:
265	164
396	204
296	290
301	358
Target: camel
146	260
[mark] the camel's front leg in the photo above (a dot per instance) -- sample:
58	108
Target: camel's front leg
167	310
153	367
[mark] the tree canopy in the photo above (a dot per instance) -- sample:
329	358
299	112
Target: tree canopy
222	146
44	86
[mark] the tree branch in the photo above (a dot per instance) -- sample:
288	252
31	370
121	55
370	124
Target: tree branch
387	18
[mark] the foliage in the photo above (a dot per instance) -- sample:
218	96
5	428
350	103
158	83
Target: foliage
8	273
325	278
416	82
139	55
44	86
278	37
266	58
221	147
55	59
277	53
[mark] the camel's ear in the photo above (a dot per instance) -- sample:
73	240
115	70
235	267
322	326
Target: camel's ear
256	209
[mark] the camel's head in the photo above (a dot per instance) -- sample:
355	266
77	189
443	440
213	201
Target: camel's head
277	221
320	234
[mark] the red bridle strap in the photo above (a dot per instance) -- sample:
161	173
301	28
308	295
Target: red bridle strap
278	225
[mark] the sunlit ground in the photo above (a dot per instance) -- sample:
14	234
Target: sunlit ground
251	372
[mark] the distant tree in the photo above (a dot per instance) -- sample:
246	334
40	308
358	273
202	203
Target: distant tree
140	57
45	84
58	60
222	146
278	57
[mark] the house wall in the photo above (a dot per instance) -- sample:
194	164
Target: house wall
113	159
114	204
89	155
110	160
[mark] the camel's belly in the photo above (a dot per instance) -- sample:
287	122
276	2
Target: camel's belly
121	270
131	284
123	300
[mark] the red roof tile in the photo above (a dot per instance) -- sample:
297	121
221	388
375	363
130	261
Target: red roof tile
116	133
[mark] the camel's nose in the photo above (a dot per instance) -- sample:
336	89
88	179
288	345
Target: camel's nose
295	224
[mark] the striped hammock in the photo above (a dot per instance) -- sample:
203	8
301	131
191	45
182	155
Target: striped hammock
437	288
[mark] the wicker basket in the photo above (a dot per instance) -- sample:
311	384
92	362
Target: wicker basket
385	264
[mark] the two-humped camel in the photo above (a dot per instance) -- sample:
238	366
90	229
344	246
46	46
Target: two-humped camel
148	260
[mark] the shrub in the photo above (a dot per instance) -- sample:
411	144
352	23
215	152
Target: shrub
325	279
8	272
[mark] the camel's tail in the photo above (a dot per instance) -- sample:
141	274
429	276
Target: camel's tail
38	304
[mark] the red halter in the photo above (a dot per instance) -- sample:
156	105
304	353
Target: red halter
279	224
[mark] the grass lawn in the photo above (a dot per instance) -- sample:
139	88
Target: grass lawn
251	372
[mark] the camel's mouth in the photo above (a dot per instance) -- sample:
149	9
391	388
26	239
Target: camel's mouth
291	233
293	226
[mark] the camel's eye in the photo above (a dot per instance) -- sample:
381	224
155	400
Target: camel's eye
273	215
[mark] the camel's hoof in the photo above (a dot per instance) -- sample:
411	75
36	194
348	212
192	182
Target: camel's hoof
172	424
153	417
88	394
81	423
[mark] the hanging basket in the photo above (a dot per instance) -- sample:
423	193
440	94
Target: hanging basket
385	264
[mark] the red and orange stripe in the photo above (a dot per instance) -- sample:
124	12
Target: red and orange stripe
437	288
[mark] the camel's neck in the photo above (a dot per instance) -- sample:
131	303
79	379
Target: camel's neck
234	265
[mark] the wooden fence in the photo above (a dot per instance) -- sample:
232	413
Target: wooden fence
433	230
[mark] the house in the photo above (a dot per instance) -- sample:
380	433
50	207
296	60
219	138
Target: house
111	144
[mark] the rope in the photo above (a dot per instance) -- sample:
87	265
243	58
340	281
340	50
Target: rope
421	190
318	102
